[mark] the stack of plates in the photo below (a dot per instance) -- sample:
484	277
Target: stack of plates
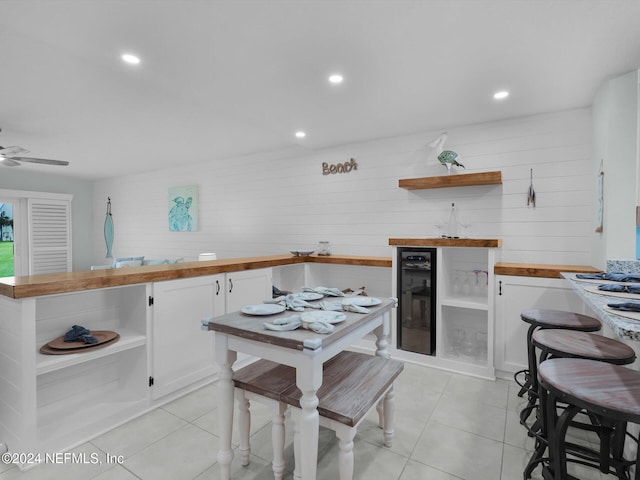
59	347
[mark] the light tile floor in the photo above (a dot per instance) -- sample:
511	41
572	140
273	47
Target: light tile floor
448	426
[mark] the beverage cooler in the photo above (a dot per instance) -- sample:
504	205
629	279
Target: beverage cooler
416	312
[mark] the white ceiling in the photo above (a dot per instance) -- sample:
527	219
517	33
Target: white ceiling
220	79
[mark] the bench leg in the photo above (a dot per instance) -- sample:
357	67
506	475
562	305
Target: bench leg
277	439
345	459
244	424
389	416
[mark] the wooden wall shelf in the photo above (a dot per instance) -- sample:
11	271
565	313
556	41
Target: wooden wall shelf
456	180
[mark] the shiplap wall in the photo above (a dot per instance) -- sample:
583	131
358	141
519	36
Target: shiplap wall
276	202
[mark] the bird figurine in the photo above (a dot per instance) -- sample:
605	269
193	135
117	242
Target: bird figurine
449	158
445	157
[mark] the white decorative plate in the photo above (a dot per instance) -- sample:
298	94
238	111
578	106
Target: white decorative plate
323	316
362	301
308	296
263	309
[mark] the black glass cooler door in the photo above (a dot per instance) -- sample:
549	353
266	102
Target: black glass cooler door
417	294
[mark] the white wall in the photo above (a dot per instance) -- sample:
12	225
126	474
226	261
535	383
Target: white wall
274	203
615	113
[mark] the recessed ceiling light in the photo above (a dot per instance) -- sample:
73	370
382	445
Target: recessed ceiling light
501	94
132	59
300	134
336	78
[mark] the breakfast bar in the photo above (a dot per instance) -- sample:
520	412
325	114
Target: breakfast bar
622	323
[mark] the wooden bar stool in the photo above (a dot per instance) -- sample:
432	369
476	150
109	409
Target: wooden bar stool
569	344
609	392
353	383
541	319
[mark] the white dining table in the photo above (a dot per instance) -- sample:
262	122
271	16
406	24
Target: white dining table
302	349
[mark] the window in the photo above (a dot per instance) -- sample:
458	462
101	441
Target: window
41	231
7	268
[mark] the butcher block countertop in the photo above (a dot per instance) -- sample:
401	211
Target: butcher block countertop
539	270
446	242
53	283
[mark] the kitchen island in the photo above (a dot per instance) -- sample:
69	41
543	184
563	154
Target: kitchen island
156	310
47	284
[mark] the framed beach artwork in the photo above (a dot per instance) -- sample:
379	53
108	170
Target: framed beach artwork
183	208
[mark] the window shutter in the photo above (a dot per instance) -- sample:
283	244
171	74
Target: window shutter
49	236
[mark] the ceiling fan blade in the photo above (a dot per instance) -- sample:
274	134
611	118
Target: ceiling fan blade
44	161
7	162
9	152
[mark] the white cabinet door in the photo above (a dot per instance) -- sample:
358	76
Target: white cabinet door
181	352
247	287
513	295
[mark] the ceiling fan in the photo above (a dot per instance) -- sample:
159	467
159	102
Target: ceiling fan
10	157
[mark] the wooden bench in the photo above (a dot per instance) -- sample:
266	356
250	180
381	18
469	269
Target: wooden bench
353	383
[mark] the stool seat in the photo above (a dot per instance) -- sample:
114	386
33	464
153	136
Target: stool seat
539	319
576	344
603	388
561	319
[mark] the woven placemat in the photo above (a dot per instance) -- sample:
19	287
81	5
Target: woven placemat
632	296
623	313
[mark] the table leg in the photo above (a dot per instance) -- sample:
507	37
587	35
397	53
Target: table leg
225	359
382	336
309	379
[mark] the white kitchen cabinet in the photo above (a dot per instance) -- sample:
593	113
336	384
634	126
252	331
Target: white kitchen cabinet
181	354
513	294
50	401
247	287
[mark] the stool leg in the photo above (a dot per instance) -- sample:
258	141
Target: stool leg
606	448
345	458
532	403
277	439
558	446
531	359
617	449
541	437
380	410
244	423
549	422
389	416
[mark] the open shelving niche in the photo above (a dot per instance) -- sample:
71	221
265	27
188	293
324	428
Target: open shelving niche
103	387
465	309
